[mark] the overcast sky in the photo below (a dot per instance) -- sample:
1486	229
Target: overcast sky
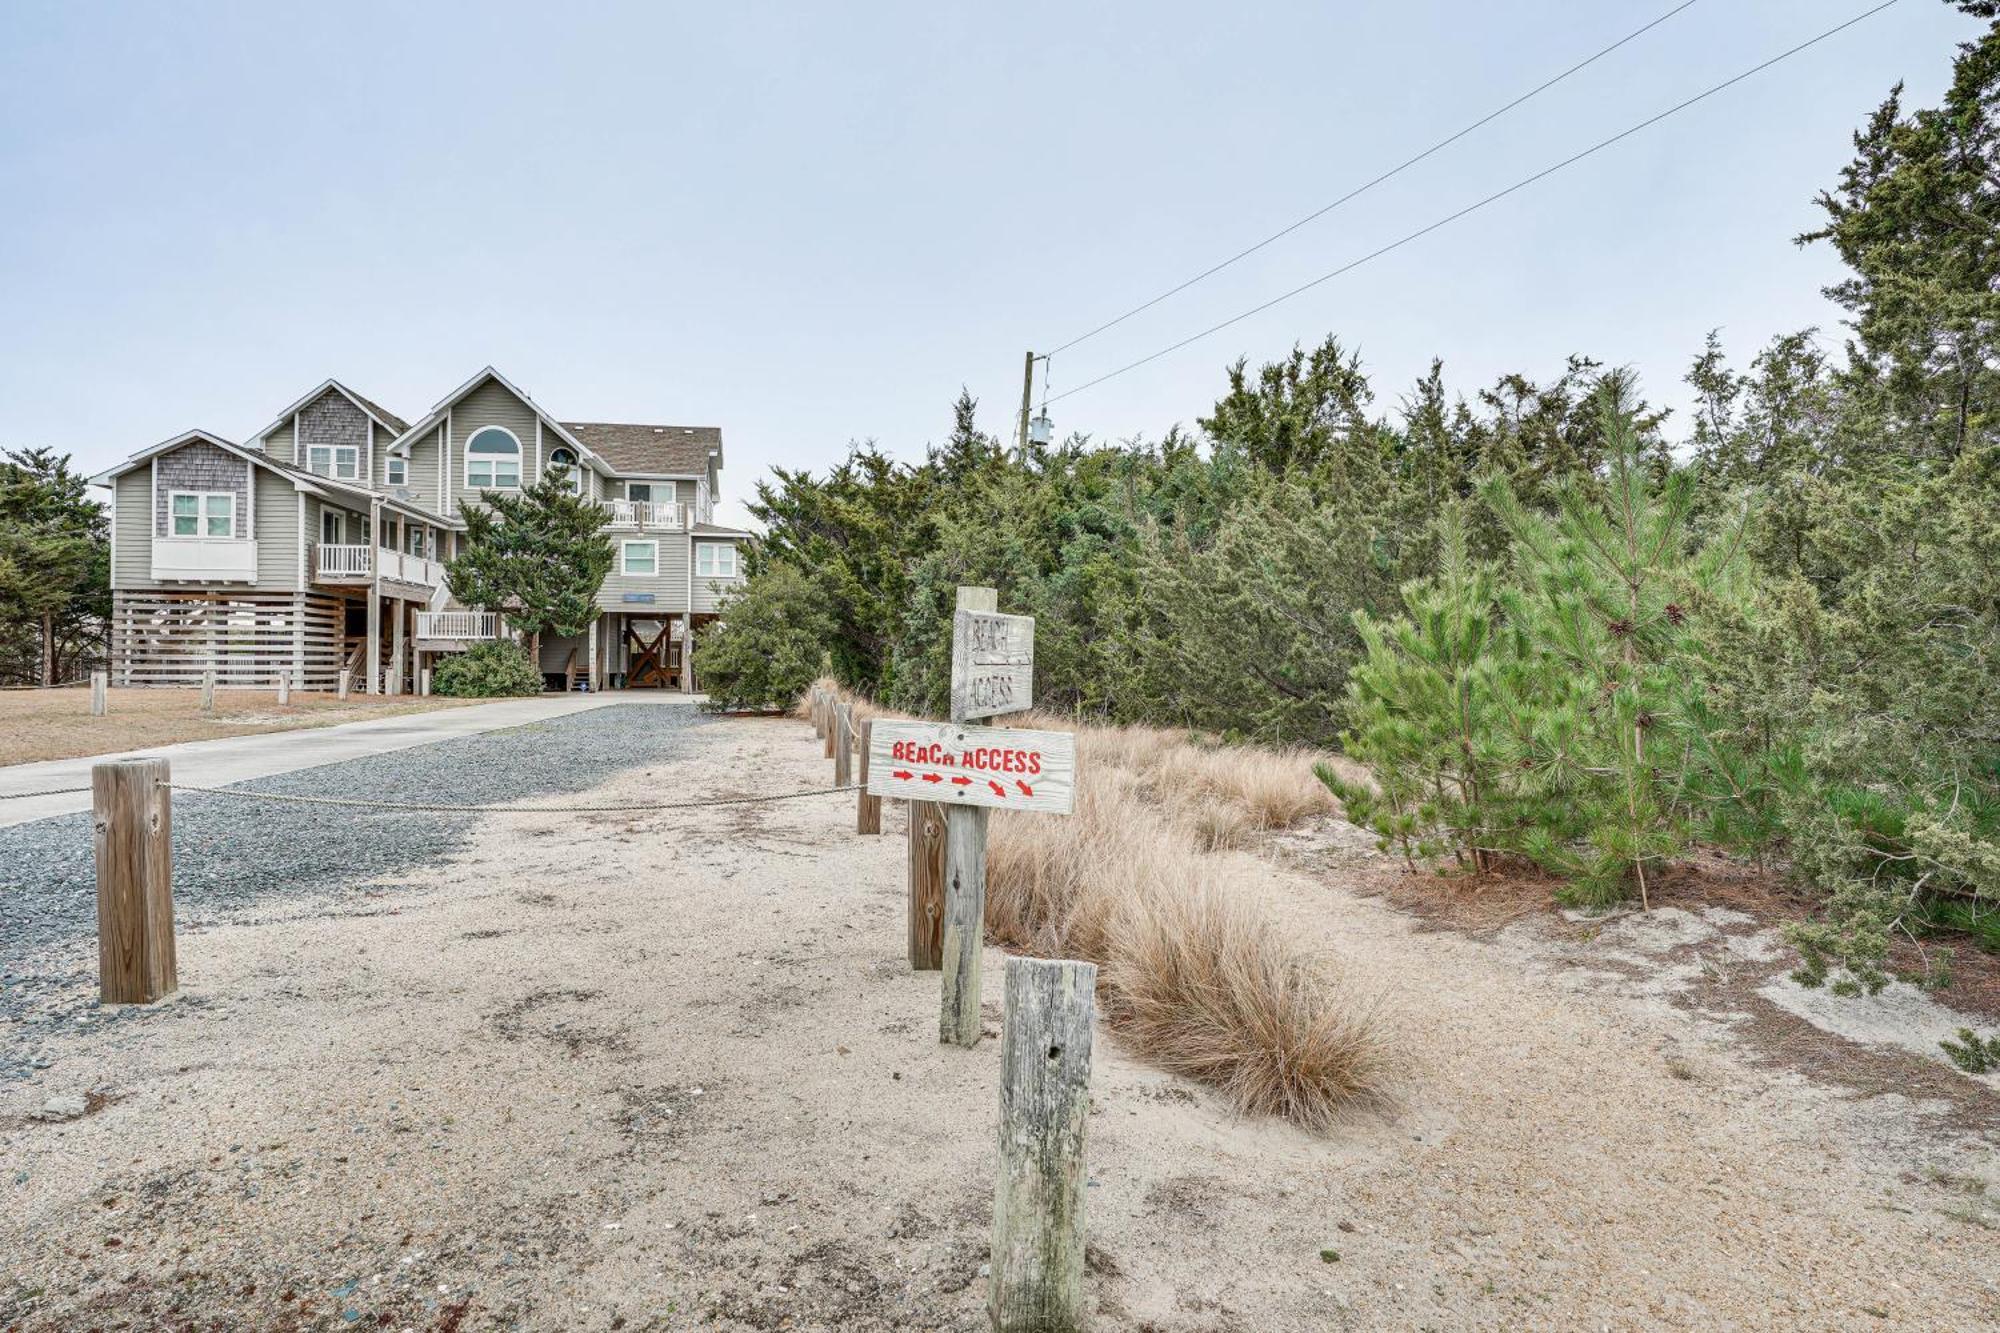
809	224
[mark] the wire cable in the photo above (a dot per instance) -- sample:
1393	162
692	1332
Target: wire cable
1396	170
1495	197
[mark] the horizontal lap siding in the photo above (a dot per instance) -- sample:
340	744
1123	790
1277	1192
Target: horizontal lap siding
132	514
424	470
711	592
278	444
668	586
277	532
491	404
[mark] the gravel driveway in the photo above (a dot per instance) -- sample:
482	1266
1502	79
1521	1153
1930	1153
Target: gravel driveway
267	859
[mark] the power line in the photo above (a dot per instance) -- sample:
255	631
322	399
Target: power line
1421	232
1396	170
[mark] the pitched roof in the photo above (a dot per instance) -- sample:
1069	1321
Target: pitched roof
661	450
380	413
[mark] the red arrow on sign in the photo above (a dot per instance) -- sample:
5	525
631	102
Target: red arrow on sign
903	774
961	781
932	777
1026	790
998	790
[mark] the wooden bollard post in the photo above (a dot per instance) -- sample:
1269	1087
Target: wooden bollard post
818	712
963	943
926	835
424	683
100	683
284	689
831	713
132	821
208	691
344	684
1038	1236
843	745
867	809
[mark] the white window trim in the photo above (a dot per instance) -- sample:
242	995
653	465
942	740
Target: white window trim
714	550
575	466
520	460
201	499
334	451
625	560
339	527
389	466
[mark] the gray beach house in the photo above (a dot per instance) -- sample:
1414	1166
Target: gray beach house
317	546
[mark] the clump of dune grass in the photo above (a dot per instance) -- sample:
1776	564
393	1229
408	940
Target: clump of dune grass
1196	977
1193	972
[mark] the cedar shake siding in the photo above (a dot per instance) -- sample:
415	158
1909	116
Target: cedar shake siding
199	466
332	419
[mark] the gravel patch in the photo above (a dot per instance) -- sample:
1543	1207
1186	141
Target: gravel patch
243	860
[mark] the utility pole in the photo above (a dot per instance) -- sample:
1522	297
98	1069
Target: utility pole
1027	396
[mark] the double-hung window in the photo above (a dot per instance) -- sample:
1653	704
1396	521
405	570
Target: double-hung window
715	560
641	558
396	471
492	460
202	514
339	461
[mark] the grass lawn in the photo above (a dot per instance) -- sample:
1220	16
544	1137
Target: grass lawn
56	724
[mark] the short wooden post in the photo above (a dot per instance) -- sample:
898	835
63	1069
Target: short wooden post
926	834
828	714
867	809
100	683
346	682
963	944
208	691
1038	1200
132	822
818	711
843	745
284	689
424	682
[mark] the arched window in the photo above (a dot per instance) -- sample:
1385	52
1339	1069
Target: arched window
564	457
493	460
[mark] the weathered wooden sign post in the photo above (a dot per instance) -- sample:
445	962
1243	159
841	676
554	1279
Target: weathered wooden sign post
970	769
1045	1078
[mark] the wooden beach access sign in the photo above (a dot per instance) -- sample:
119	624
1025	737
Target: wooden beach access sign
1003	768
992	664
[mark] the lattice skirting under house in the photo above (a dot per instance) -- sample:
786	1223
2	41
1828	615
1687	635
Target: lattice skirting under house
246	638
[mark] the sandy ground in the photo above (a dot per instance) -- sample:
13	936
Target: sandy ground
671	1071
56	724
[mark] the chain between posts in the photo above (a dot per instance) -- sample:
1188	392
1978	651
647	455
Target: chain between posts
441	807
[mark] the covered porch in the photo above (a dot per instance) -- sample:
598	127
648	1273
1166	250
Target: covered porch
626	650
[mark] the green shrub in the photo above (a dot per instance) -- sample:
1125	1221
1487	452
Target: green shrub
1973	1053
487	671
769	645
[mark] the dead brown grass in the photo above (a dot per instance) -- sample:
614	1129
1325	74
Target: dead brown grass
1193	972
56	724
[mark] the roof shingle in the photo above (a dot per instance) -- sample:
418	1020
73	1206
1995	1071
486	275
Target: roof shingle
670	450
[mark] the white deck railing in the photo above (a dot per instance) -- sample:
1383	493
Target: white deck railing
462	625
643	514
411	568
341	561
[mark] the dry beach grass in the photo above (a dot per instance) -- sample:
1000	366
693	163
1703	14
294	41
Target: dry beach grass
1196	978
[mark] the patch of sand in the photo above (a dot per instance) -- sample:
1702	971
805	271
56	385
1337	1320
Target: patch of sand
671	1070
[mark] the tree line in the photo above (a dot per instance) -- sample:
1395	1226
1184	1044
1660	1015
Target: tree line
1562	626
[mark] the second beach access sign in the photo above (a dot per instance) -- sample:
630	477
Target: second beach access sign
1006	768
